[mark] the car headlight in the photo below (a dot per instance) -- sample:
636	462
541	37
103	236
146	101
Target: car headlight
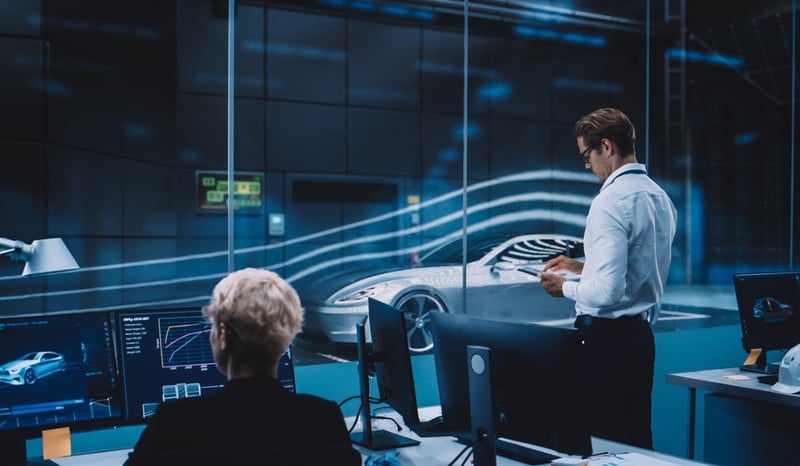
14	371
358	296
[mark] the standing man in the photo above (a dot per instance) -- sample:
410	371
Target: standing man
628	248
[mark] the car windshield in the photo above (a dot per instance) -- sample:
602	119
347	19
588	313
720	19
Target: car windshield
450	253
520	252
29	356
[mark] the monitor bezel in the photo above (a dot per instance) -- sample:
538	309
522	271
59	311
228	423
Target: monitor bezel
391	360
754	336
14	441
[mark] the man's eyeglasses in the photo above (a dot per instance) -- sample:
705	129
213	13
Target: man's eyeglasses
585	154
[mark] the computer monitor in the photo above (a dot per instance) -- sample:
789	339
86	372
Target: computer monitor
534	385
392	360
56	371
769	312
389	358
165	355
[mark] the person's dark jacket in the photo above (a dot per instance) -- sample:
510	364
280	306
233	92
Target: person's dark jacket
249	414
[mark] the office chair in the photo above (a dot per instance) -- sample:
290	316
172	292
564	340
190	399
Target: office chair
337	455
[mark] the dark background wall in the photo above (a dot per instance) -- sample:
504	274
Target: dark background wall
111	110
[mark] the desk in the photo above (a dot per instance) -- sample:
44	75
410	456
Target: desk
434	451
715	380
431	451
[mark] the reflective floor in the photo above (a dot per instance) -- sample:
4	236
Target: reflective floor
697	306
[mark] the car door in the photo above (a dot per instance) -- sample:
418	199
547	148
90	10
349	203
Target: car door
49	363
499	287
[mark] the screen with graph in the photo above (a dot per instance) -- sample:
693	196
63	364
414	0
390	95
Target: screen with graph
165	355
58	370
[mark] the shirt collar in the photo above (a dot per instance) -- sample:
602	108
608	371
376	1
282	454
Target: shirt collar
628	167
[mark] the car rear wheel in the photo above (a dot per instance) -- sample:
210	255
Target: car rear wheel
417	307
30	376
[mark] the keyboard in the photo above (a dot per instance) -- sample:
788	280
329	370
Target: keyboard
436	427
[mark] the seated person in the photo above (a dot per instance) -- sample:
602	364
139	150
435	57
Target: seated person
254	317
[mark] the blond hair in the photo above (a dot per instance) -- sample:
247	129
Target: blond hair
262	310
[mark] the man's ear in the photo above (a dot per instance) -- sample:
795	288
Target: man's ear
609	145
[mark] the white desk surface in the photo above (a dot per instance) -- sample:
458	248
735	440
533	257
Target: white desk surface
733	381
430	452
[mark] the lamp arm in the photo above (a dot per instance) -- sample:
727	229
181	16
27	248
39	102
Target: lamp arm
16	249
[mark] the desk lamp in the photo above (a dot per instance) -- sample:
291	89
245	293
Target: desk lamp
42	256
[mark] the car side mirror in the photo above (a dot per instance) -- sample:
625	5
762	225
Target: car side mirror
503	266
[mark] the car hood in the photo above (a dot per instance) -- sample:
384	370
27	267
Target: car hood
14	365
350	281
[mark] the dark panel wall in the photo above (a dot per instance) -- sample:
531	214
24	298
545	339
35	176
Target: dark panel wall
126	104
111	111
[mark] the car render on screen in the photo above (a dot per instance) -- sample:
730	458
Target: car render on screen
502	273
32	367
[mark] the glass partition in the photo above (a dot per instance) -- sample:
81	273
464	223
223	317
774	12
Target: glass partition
358	140
382	149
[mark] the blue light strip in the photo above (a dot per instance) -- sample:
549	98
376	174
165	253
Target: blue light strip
569	37
397	11
710	58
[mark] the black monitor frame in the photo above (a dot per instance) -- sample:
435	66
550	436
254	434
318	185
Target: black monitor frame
769	314
391	359
83	393
395	375
534	382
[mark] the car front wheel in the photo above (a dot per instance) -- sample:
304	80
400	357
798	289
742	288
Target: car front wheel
416	307
30	376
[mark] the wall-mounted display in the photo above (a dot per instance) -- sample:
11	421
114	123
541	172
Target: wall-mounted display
212	192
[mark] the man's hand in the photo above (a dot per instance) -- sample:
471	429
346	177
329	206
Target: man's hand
551	282
565	263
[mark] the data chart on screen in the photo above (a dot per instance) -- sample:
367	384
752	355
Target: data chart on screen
183	341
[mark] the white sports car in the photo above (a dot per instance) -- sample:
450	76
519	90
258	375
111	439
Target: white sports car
502	281
31	367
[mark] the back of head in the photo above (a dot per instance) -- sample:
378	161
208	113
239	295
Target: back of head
263	312
609	123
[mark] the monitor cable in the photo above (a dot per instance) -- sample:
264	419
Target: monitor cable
467	449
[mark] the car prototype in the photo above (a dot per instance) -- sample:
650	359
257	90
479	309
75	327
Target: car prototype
771	310
502	282
32	367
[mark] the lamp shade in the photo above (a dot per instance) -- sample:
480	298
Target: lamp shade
48	255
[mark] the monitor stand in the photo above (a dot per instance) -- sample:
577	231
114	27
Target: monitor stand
757	362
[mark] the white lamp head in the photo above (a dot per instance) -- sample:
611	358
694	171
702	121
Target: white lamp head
41	256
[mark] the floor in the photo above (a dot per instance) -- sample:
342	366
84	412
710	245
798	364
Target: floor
684	307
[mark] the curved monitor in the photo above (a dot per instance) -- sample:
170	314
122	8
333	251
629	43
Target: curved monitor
55	371
534	385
